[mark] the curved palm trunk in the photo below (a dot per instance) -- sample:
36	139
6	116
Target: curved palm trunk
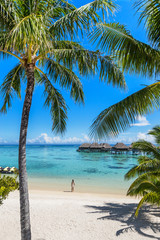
23	184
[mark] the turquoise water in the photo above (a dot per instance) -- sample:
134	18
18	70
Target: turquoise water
57	165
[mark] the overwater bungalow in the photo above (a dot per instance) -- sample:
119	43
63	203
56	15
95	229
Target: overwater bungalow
120	147
95	147
105	147
84	147
87	147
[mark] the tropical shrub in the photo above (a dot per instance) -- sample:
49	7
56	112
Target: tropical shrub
7	185
147	184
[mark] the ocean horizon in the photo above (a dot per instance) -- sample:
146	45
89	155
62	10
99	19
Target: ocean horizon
58	144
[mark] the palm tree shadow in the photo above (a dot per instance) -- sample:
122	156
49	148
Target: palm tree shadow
124	213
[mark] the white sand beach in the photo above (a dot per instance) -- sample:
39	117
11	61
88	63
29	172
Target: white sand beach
78	216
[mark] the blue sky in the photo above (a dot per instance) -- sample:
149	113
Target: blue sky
98	96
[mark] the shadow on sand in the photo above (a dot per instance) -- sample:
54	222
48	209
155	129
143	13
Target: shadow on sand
124	213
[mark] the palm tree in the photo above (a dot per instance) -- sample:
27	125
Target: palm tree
147	184
41	36
135	57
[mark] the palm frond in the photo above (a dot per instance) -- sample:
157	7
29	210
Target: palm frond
147	184
89	63
11	85
148	148
111	72
66	78
133	55
6	54
151	197
147	176
81	17
27	31
142	188
119	116
7	10
145	164
150	15
155	132
55	101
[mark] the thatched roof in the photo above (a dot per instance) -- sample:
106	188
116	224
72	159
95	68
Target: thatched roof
120	146
105	146
95	146
85	146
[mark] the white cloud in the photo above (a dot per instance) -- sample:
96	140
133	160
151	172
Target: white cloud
45	139
129	138
141	121
124	139
2	141
145	136
86	138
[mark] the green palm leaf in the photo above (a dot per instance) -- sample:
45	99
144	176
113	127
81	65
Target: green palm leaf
11	85
150	15
55	101
81	17
156	133
66	78
57	104
147	165
148	148
119	116
88	62
142	188
133	55
147	184
151	197
28	30
7	9
149	177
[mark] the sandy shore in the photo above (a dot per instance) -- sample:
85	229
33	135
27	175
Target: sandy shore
77	216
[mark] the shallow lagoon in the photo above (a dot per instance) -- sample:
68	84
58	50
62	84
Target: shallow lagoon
53	167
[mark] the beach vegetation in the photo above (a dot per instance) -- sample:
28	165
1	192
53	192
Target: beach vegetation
7	184
42	36
147	183
134	57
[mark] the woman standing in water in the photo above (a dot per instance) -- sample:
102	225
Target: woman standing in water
72	185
